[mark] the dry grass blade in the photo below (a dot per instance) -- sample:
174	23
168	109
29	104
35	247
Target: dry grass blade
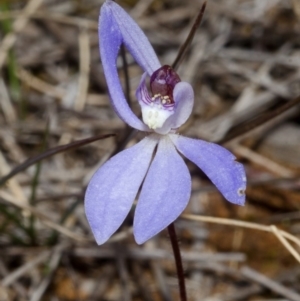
43	217
272	285
286	244
57	17
51	152
264	118
84	52
281	235
53	264
18	25
6	104
12	277
40	85
263	161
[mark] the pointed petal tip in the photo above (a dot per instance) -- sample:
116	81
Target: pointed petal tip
140	240
242	203
100	240
113	188
242	197
141	237
240	200
218	164
238	196
164	195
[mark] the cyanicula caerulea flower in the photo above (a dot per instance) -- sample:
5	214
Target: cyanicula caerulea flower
154	164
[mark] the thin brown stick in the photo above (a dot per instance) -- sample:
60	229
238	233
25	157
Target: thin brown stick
189	39
264	118
50	152
178	261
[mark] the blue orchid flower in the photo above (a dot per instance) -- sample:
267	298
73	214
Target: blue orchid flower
154	164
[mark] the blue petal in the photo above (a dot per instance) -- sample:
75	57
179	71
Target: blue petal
218	164
111	38
113	188
165	192
184	101
134	39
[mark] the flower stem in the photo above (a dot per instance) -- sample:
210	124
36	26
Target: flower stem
178	261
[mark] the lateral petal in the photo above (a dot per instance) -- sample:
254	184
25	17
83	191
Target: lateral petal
111	38
218	164
184	101
114	186
165	192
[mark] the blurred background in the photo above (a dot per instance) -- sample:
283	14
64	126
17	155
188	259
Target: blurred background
244	65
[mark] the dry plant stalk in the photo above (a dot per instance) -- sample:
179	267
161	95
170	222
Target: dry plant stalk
280	234
18	25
